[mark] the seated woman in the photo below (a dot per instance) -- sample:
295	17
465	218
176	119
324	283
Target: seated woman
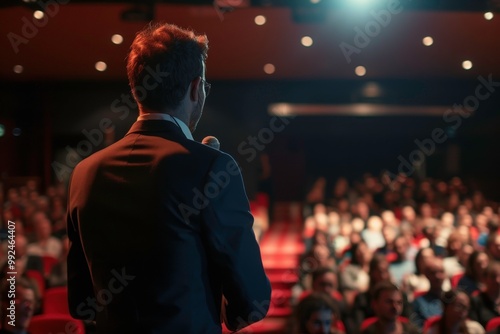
472	281
354	277
454	320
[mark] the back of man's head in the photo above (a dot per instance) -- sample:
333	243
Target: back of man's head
162	62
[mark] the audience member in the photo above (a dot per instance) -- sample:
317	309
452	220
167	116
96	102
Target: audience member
431	232
24	261
372	235
387	301
378	272
354	277
341	241
472	281
315	314
402	266
17	321
451	263
486	305
45	244
417	282
389	233
493	246
428	305
454	317
58	275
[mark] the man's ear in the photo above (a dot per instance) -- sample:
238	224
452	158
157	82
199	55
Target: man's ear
194	88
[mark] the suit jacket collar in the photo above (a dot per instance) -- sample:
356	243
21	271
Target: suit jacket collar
156	127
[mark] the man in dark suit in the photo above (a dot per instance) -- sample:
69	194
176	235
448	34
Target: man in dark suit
159	224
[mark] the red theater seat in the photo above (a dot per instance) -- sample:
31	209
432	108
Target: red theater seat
430	322
48	263
55	301
371	320
493	324
55	323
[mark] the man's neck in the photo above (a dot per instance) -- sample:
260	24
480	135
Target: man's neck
177	114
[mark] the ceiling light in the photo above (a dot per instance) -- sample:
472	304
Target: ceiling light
467	64
488	15
428	41
269	68
306	41
360	71
38	14
101	66
260	20
117	39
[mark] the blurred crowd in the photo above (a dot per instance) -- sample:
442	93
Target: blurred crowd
380	256
33	236
386	256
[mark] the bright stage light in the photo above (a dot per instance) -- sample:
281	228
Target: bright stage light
306	41
467	64
428	41
488	15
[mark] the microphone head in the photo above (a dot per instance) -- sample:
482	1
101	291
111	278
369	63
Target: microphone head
211	141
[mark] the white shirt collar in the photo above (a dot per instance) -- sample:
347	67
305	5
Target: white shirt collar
167	117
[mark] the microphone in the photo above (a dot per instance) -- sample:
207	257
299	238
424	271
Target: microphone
212	142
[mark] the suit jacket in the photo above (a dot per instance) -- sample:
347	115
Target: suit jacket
160	228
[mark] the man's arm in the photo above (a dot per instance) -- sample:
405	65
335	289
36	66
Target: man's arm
80	286
232	245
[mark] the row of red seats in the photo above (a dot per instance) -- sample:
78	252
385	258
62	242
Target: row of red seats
55	317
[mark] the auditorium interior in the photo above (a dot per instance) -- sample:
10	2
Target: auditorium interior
371	124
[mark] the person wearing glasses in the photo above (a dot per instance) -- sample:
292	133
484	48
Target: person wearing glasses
160	225
456	304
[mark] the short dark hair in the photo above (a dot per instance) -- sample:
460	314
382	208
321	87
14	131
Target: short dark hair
418	257
471	262
383	286
493	269
164	48
320	272
377	259
316	301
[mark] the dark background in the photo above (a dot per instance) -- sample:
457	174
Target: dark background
52	116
